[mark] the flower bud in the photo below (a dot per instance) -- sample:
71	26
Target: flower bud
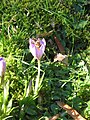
37	47
2	67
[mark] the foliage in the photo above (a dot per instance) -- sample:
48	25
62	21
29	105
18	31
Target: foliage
69	20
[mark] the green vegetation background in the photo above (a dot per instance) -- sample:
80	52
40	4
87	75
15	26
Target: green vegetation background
22	19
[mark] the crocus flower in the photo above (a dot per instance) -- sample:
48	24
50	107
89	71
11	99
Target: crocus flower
37	47
2	67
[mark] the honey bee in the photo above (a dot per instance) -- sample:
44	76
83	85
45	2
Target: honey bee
36	42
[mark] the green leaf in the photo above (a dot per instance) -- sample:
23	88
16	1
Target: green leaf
54	108
9	106
82	24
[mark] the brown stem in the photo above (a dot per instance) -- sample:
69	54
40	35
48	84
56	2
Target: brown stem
55	117
72	112
59	44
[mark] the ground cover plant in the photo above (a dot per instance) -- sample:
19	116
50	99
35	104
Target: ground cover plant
65	26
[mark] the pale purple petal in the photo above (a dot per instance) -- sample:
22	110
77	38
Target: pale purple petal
44	42
39	53
2	66
32	48
43	45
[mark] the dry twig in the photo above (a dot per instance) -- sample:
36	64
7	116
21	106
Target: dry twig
72	112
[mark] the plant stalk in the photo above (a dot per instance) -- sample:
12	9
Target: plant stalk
37	79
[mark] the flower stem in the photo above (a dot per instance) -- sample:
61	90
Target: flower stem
37	79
